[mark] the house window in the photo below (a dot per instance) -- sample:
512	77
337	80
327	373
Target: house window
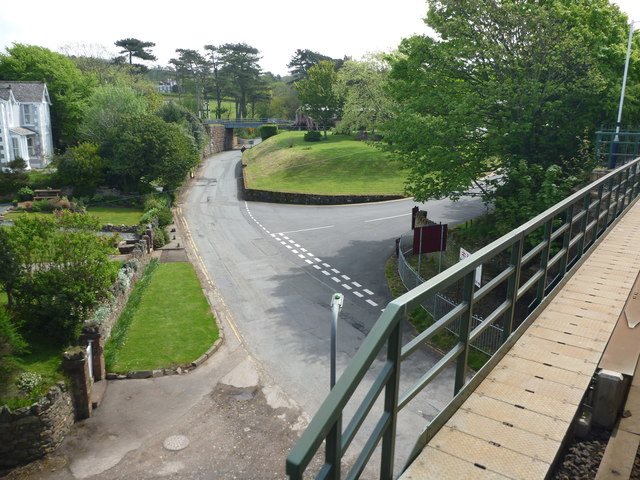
27	114
16	148
31	147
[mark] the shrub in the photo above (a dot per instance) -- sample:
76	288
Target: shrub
29	382
10	340
313	136
160	237
267	131
165	217
150	216
25	193
156	201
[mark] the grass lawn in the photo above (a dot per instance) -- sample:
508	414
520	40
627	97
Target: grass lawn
43	359
167	321
337	165
115	215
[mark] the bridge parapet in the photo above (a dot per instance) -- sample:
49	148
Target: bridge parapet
247	122
537	257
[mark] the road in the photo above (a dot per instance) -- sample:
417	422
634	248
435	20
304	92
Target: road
277	266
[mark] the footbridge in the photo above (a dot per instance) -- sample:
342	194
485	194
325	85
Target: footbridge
563	289
248	122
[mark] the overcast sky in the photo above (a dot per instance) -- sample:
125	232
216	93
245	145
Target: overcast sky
332	27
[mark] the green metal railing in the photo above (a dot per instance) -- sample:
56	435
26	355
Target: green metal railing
538	256
610	152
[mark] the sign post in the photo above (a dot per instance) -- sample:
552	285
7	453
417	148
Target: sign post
336	305
478	278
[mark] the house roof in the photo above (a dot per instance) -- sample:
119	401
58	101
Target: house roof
24	92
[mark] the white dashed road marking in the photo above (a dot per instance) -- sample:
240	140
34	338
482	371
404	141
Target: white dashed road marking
289	244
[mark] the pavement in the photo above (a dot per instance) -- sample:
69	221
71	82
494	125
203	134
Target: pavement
226	419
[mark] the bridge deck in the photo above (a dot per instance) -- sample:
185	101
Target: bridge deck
514	424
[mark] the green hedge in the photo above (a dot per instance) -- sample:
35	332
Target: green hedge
267	131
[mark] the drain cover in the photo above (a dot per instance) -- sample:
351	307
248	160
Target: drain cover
176	442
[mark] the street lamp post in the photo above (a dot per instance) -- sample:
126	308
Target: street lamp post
616	139
336	305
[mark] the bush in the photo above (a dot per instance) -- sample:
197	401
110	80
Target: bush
160	237
150	216
165	217
267	131
156	201
313	136
24	194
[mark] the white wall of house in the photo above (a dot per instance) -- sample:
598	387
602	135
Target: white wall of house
25	127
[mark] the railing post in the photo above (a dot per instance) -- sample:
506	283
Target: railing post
583	226
566	239
512	289
635	185
333	450
606	218
626	190
544	262
391	393
465	328
596	229
619	187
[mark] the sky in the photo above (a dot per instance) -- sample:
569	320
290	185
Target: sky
331	27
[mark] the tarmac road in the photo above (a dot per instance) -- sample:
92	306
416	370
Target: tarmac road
243	409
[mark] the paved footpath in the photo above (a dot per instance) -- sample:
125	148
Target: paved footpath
237	423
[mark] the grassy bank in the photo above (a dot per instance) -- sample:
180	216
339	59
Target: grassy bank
337	165
167	321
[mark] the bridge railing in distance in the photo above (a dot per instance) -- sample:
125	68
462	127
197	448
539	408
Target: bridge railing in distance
528	263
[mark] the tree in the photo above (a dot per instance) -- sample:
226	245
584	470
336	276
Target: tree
218	81
106	106
192	66
144	149
63	269
187	121
241	68
504	87
366	104
282	102
68	87
136	48
303	60
319	95
82	168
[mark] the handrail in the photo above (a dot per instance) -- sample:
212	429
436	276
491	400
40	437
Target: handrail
570	229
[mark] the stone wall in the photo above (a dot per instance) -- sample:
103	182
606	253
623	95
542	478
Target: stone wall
29	433
103	324
307	199
216	139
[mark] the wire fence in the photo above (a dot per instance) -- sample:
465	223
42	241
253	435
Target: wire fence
439	305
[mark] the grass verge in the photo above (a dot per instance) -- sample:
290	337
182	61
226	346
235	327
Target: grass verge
167	321
337	165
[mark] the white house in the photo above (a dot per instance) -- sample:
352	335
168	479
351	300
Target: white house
25	123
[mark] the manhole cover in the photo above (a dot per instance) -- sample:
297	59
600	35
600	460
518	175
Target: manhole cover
176	442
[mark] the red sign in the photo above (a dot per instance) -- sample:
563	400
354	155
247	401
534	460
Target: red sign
431	238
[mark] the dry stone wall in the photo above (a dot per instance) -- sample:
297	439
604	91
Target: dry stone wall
29	433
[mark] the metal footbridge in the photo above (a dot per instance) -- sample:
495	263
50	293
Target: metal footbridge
565	284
